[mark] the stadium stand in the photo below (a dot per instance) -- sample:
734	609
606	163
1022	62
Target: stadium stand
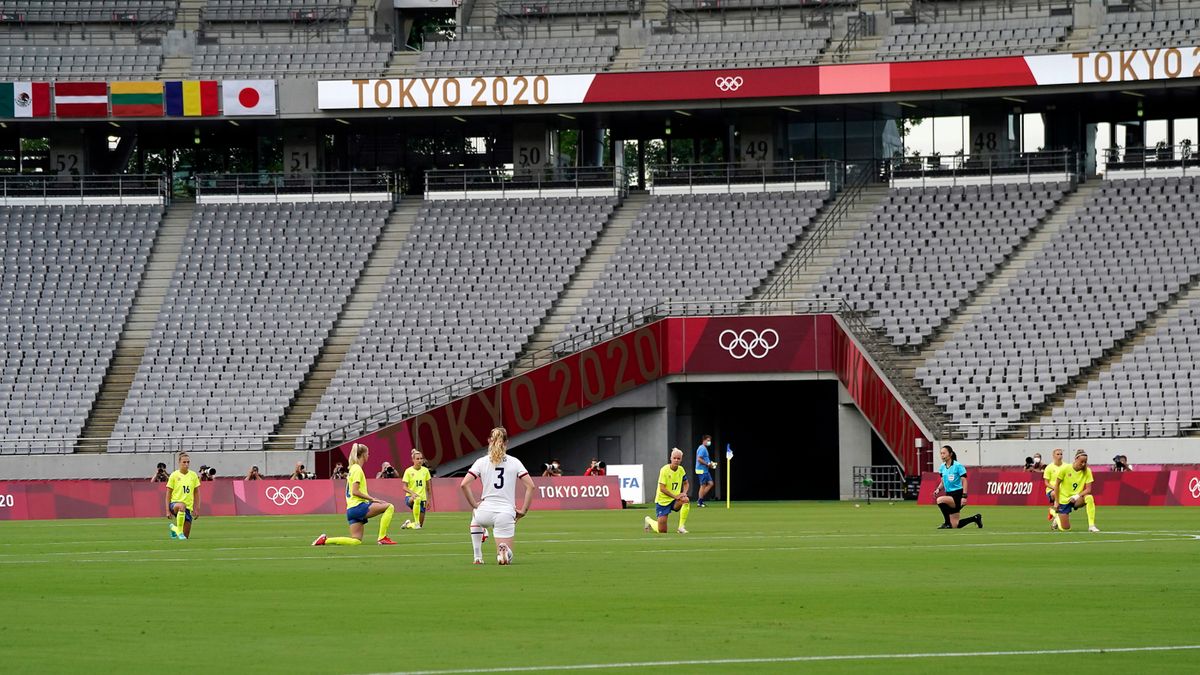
928	249
500	56
1129	249
327	53
1122	30
68	281
471	284
93	11
82	61
698	246
975	38
1156	380
735	49
257	11
256	292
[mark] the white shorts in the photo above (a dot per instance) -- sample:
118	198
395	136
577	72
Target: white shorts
502	519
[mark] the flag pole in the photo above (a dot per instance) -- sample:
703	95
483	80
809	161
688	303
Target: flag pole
728	464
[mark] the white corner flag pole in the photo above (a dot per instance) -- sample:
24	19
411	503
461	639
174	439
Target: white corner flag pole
728	464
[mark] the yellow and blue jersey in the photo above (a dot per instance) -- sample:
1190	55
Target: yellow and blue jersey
183	487
1072	482
417	480
674	482
356	475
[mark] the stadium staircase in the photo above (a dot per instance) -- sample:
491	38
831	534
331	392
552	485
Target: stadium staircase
628	58
135	334
1165	314
362	15
818	249
349	323
402	64
551	329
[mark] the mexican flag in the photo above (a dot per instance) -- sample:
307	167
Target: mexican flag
24	99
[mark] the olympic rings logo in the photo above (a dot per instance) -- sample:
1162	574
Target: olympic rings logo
729	83
1194	487
285	495
748	342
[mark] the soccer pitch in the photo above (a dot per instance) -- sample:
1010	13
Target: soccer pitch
761	588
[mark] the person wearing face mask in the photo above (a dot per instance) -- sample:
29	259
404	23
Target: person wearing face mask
704	467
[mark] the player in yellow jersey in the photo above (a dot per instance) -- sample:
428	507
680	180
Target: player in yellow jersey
416	485
1073	490
1050	475
360	505
183	498
671	496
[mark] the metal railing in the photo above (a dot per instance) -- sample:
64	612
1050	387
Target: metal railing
341	183
578	342
858	178
504	180
858	26
1068	430
1183	157
974	167
829	171
757	14
957	10
58	186
882	481
143	443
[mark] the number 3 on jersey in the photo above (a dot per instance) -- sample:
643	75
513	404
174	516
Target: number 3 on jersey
499	484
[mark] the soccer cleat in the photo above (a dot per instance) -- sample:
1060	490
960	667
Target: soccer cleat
979	520
181	536
945	526
417	526
681	531
1093	528
1053	526
386	541
700	503
647	524
477	561
406	524
171	529
319	541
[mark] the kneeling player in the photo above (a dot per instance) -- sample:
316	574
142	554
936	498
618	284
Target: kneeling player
416	485
499	474
183	495
672	496
1073	490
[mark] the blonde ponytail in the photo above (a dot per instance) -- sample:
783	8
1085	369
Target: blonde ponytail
356	453
497	445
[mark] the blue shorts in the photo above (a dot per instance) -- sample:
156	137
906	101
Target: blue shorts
1066	508
660	510
408	501
702	478
187	513
358	514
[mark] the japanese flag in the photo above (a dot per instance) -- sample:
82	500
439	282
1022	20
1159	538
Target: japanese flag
248	97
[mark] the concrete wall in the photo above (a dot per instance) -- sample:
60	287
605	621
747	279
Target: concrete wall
1100	451
141	465
854	442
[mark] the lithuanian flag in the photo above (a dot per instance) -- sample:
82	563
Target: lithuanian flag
136	99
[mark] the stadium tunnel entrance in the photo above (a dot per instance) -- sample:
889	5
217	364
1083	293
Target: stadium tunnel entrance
792	438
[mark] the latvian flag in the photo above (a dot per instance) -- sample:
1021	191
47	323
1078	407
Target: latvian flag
24	99
81	99
192	98
136	99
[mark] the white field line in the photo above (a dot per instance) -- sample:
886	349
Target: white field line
72	557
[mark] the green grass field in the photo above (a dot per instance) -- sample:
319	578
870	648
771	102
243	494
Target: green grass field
761	581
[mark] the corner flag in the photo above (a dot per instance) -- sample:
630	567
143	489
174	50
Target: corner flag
728	463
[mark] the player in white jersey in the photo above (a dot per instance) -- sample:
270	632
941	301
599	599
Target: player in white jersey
497	507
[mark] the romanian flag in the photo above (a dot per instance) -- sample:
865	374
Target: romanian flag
192	98
136	99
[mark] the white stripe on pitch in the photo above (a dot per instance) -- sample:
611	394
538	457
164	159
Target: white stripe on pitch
803	659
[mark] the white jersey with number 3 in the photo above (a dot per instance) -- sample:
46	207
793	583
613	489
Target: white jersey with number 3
499	481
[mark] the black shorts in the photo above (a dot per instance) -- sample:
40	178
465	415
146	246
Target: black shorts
958	497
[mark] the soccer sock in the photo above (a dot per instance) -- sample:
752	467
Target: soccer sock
416	519
386	520
683	514
477	542
179	520
1090	504
945	512
1058	519
342	541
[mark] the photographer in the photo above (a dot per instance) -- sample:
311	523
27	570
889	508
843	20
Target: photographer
253	474
205	474
552	469
339	471
597	468
388	471
160	475
1121	464
212	474
298	473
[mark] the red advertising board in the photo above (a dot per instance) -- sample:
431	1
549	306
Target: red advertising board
56	499
1018	488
